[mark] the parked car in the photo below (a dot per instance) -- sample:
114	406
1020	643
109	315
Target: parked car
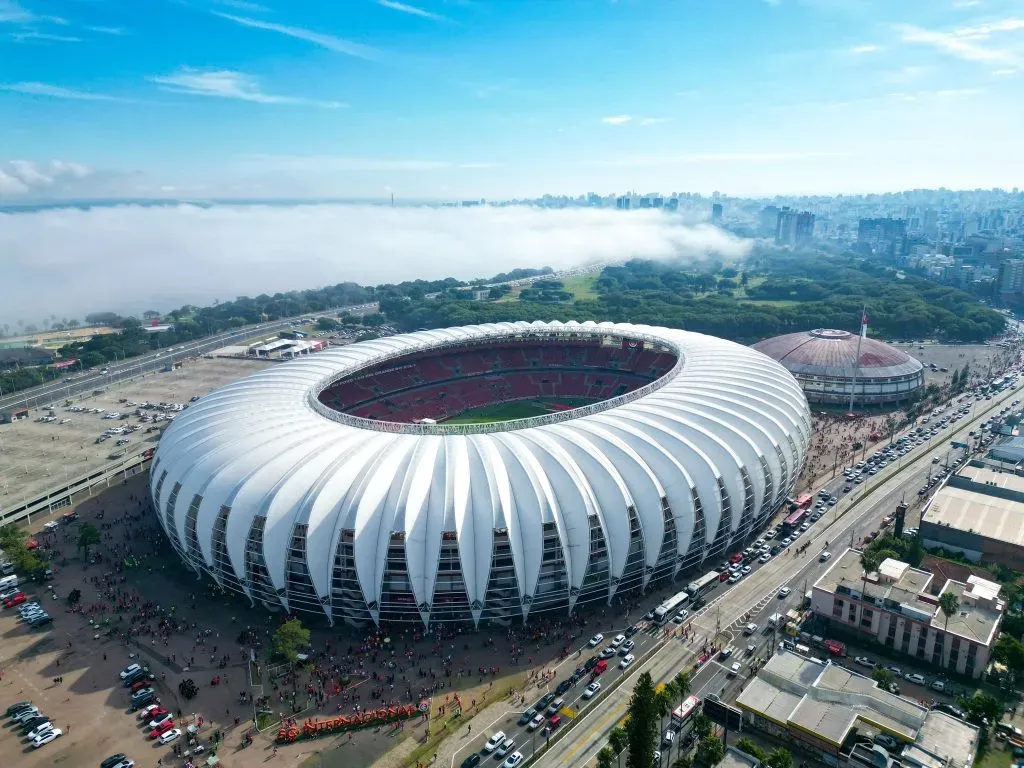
170	736
913	677
864	661
130	670
46	737
596	640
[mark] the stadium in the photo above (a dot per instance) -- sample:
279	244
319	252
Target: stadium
822	361
480	474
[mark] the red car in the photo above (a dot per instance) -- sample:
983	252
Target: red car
152	712
138	685
17	599
161	729
736	558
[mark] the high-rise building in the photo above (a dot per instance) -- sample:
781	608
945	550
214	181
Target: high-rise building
716	213
622	203
768	221
930	226
672	204
1011	276
882	236
794	228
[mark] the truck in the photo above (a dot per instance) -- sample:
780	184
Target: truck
776	620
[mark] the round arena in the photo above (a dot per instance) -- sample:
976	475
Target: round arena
481	474
823	360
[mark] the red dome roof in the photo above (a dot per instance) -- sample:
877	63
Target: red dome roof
831	352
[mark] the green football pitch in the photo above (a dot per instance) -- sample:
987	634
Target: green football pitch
521	409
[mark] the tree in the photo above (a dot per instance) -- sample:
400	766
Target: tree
869	562
1009	651
663	701
710	751
88	536
642	728
683	761
779	758
618	740
949	603
747	745
882	676
605	758
703	726
188	689
981	706
326	324
290	638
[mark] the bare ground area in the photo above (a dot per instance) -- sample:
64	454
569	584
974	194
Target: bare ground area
35	456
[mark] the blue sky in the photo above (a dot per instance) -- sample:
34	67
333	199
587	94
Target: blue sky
502	98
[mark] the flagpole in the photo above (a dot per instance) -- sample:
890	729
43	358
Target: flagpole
856	361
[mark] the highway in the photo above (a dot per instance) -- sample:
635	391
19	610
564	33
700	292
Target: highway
67	387
724	616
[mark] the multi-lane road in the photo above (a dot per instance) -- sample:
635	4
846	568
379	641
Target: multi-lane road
721	621
70	386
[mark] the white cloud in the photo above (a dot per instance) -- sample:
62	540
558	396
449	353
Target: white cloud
108	30
12	12
56	92
244	249
412	10
860	50
330	42
1004	72
616	119
45	37
967	43
242	5
227	84
18	177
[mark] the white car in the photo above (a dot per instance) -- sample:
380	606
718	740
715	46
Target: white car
864	661
170	736
39	730
506	746
750	629
130	670
592	689
494	741
144	713
156	723
626	661
47	737
596	640
618	640
25	714
513	760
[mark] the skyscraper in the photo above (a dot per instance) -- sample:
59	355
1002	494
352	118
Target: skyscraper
716	213
794	228
768	221
883	236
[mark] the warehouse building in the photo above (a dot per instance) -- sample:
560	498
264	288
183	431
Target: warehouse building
979	512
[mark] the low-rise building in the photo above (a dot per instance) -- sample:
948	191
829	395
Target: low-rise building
895	606
979	512
834	713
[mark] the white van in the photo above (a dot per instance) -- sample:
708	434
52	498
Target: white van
8	581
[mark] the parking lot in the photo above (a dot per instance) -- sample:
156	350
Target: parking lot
37	455
983	359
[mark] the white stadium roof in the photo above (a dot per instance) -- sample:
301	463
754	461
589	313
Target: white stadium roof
247	464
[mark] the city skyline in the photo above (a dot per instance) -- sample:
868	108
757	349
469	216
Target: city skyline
460	100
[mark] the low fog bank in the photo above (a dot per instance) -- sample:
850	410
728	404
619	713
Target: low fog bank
130	258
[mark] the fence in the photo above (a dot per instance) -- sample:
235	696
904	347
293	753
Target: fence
64	494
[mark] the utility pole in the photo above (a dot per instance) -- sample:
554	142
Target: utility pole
856	362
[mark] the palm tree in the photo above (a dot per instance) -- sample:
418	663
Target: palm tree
949	603
605	758
683	687
869	561
663	701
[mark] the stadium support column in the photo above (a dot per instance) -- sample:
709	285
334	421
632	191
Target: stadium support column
856	361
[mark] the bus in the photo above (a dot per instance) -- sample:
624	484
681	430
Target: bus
794	520
685	712
666	609
696	588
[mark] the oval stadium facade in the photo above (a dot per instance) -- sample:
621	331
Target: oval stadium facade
358	484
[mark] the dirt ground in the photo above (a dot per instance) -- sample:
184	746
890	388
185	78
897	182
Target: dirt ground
36	456
157	613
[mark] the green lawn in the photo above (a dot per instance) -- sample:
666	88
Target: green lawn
772	302
995	757
521	409
581	286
